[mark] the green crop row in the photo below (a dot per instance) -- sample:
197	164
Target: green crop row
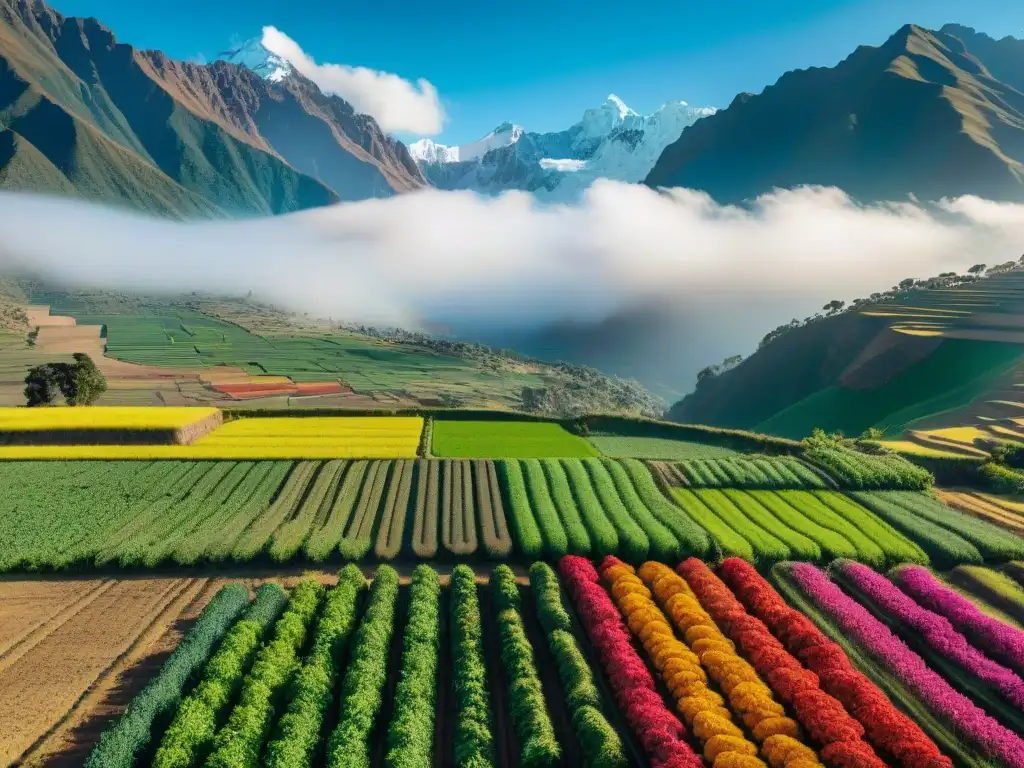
598	740
768	472
474	740
575	531
556	541
298	731
693	540
801	546
664	545
767	547
728	541
831	542
538	746
944	548
323	540
994	543
363	689
128	739
239	742
411	732
287	540
603	535
187	740
863	471
633	543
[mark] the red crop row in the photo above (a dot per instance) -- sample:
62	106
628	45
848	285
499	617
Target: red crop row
658	730
825	719
888	729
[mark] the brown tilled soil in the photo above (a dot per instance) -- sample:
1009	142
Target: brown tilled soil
27	605
554	694
70	667
507	752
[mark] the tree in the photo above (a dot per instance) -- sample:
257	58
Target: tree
80	383
40	386
977	269
834	306
89	382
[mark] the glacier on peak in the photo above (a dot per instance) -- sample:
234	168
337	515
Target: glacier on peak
610	141
252	54
427	151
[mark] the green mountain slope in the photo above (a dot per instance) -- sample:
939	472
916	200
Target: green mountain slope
927	113
926	359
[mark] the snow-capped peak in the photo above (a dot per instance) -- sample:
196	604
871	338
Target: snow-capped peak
427	151
253	55
619	105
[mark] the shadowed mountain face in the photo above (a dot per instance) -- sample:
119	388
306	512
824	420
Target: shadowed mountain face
84	115
931	114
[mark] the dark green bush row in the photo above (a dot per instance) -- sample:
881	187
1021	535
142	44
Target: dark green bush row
474	739
664	546
238	744
411	732
298	731
548	599
944	548
133	733
363	690
575	531
538	746
993	542
693	540
188	738
860	471
598	740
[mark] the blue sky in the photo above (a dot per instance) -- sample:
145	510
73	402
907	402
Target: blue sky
540	63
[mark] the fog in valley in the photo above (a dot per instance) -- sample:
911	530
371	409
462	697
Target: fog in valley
642	283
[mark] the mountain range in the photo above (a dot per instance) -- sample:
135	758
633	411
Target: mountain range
84	115
928	113
610	141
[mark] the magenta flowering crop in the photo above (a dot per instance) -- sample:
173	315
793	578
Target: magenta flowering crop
855	620
935	629
995	638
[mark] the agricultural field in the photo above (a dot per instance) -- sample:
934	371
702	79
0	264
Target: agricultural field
771	472
506	439
657	448
127	436
61	515
592	663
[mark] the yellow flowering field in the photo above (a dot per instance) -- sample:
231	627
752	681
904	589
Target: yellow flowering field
100	417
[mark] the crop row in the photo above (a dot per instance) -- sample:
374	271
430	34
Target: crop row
763	472
854	470
190	512
660	733
686	666
535	735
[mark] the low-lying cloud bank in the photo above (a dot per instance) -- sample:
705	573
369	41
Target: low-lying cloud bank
508	264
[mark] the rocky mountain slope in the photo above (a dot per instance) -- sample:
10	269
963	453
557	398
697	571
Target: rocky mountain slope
928	113
610	141
84	115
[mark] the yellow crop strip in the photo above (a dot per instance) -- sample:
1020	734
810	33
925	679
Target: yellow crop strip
100	417
310	438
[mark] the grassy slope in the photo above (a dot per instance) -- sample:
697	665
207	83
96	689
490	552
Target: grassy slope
953	375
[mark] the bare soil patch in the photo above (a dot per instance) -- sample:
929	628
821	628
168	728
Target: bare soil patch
85	652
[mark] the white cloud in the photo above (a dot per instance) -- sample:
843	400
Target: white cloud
473	263
563	165
396	104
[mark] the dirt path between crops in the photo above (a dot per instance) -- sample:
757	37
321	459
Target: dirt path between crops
379	738
551	683
444	698
54	675
505	748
